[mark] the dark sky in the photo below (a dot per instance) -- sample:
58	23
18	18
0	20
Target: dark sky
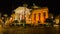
8	6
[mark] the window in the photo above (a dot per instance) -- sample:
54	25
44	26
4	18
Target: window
35	17
39	16
44	15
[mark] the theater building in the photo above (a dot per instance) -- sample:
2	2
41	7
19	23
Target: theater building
35	16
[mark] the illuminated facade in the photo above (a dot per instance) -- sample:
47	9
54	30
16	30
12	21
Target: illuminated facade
40	15
22	12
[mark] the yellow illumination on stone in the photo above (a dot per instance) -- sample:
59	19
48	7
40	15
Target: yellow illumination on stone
41	11
20	10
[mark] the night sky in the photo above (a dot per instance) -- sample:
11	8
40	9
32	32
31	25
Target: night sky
8	6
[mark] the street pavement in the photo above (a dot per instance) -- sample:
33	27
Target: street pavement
30	30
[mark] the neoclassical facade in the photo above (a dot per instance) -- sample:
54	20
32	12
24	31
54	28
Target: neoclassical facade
39	15
22	13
